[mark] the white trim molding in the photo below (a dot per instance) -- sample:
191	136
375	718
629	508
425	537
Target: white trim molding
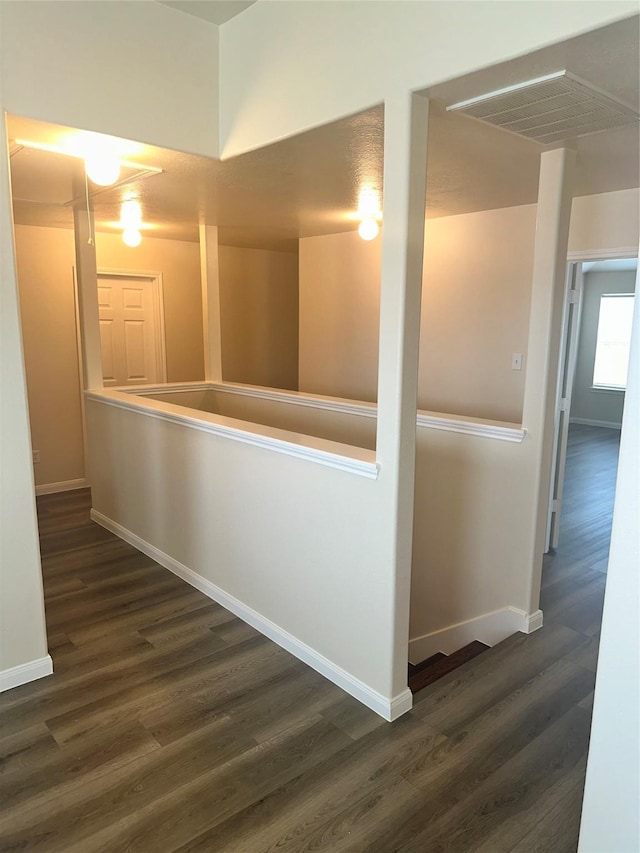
481	428
299	398
344	457
602	254
590	422
490	629
15	676
388	708
502	431
63	486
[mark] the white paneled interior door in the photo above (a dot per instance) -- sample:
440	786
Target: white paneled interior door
131	333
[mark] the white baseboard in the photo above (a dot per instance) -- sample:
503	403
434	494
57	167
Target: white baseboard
589	422
25	672
64	486
490	629
389	708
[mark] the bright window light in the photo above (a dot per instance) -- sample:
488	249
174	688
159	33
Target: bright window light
612	343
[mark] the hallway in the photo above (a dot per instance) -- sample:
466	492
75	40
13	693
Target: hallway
170	725
574	576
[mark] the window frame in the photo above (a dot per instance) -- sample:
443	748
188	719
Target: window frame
603	387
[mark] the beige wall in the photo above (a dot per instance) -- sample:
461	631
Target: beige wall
475	312
475	304
588	404
45	259
179	263
339	316
259	316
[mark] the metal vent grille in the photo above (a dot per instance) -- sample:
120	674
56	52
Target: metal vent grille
549	109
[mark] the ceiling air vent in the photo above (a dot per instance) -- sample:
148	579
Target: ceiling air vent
549	109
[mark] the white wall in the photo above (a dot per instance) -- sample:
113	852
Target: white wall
23	639
259	316
255	523
610	814
327	60
339	316
134	69
587	403
604	222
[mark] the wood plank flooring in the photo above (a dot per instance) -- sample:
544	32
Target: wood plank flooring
169	725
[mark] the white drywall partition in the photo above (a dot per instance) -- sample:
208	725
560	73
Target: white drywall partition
23	638
211	327
297	546
320	61
139	70
87	290
405	175
543	350
610	814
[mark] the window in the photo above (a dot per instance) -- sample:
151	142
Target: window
612	343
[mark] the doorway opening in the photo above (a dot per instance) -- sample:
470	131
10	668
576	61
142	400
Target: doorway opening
591	341
587	440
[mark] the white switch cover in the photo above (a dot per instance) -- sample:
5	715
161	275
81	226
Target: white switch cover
516	361
36	457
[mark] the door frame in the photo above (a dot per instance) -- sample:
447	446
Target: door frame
157	291
570	340
573	258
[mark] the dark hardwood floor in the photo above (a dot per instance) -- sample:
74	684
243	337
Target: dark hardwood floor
169	725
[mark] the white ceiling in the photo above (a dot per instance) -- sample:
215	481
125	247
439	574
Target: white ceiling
309	184
214	11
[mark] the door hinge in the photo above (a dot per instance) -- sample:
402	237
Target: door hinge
573	297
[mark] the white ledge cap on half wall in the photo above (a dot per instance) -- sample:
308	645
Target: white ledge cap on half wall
344	457
482	427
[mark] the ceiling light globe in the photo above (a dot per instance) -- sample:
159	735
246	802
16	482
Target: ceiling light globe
131	237
368	229
103	169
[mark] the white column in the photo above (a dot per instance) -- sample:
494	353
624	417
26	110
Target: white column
211	303
405	166
545	329
87	289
